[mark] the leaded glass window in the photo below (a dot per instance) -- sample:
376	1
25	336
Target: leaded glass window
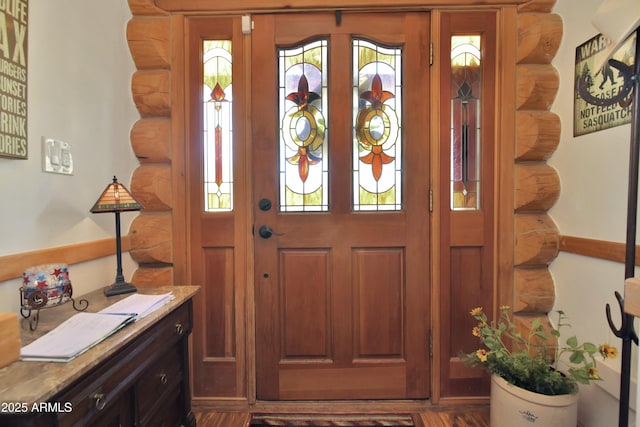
466	74
218	130
303	100
377	104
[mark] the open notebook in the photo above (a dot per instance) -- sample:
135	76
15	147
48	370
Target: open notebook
83	330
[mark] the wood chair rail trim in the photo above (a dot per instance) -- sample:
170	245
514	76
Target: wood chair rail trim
12	266
601	249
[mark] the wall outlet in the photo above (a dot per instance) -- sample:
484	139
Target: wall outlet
56	157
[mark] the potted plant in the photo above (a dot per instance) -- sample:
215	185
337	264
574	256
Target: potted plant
527	385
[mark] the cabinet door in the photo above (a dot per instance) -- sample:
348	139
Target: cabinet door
169	413
156	390
118	414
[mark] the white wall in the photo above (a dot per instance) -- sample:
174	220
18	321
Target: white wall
593	170
79	91
79	77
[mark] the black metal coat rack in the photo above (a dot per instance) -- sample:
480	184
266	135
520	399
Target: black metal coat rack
626	332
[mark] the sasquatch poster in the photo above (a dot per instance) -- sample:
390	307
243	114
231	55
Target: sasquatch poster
605	82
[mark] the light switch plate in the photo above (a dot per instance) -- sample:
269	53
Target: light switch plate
56	156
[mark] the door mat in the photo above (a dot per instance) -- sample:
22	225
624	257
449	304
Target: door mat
332	420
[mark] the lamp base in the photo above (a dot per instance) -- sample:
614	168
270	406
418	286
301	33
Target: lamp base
119	288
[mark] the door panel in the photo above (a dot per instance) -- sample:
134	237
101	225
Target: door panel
378	306
466	217
342	297
305	301
218	237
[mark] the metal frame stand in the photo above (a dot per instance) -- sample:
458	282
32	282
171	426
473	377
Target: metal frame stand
626	332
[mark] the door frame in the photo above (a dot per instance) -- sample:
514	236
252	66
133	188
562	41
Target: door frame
504	212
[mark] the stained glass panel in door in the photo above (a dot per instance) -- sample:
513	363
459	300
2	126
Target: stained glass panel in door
302	101
377	146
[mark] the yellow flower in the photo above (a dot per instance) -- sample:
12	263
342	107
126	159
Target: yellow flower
608	351
593	374
475	331
482	354
476	311
504	308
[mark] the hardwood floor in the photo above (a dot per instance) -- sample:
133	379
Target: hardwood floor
222	419
459	416
456	416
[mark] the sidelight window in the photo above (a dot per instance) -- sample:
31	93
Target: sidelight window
218	129
466	74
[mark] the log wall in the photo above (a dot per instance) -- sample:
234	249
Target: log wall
148	36
537	186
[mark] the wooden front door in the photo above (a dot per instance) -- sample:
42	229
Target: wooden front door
341	195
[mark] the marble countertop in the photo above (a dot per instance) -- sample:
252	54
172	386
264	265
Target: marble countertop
34	382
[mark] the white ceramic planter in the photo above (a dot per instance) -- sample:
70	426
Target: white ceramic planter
515	407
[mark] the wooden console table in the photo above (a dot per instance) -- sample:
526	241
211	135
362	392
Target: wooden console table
138	376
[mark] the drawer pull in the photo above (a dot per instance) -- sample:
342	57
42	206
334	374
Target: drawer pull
99	401
179	328
163	378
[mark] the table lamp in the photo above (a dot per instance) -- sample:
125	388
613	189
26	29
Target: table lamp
116	198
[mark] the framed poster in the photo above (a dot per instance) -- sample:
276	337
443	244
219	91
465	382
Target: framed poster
603	83
13	79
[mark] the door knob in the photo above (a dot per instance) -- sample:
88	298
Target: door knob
265	232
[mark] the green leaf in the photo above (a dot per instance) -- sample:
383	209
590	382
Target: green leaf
580	375
577	357
572	342
590	347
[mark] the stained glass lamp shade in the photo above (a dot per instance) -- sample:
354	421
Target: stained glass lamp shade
116	198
